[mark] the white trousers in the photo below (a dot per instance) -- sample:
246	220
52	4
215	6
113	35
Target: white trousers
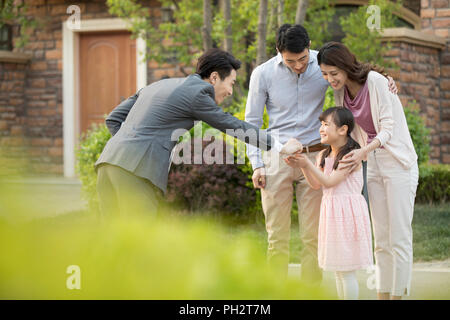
347	285
392	191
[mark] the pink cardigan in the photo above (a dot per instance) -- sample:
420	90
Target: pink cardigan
388	119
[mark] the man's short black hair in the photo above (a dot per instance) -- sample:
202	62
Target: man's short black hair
217	60
292	38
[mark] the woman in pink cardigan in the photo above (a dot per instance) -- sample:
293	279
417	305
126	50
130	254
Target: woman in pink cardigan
392	171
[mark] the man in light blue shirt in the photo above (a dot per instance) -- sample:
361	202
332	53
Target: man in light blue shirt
292	88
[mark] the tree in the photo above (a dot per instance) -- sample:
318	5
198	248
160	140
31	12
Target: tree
273	16
300	14
175	41
170	41
280	13
262	24
318	16
228	43
207	25
365	41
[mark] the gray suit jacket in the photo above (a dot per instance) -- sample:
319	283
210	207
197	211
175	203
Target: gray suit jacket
142	144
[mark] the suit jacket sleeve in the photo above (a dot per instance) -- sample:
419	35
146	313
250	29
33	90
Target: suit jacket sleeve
120	113
205	109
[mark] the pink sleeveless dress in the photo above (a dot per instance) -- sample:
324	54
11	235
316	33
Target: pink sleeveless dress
345	237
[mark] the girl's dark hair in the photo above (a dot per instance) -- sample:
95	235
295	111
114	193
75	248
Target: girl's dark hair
293	38
216	60
340	117
338	55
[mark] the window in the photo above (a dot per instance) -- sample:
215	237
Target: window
6	37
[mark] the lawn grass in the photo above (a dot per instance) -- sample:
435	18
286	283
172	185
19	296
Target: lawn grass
431	233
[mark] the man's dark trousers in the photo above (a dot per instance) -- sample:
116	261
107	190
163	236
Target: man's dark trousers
123	194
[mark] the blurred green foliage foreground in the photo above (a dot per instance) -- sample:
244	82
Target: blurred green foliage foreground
132	258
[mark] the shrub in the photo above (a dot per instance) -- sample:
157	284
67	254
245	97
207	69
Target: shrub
247	168
434	186
420	134
91	146
214	188
232	193
329	99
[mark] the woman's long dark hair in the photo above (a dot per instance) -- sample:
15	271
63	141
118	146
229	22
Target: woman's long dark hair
340	116
338	55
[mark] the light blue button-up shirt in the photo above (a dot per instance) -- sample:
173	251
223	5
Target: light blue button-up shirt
293	102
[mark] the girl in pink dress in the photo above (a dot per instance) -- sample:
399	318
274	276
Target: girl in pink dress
345	238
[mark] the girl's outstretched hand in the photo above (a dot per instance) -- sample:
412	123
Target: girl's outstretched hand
298	160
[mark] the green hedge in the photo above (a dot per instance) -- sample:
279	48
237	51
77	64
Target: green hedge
420	134
217	189
91	146
434	183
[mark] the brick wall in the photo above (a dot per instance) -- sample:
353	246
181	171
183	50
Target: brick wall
435	16
12	114
413	5
418	80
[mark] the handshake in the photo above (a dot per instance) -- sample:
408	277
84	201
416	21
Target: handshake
289	149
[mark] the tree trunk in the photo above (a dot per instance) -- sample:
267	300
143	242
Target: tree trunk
207	25
228	43
301	11
280	13
262	24
248	66
273	15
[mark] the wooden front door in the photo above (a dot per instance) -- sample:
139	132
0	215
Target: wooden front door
107	74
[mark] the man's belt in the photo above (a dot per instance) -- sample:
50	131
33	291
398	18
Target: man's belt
314	148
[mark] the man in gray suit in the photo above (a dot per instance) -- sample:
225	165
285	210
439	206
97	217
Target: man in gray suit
133	167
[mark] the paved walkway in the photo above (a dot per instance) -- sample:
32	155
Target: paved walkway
48	196
430	280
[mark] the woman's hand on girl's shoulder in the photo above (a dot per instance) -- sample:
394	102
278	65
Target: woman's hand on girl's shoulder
351	159
351	168
355	168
